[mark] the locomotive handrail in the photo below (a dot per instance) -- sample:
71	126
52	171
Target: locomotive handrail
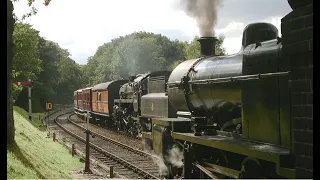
232	79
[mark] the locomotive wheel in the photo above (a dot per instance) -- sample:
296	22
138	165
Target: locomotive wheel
173	172
125	127
119	126
139	130
131	130
250	169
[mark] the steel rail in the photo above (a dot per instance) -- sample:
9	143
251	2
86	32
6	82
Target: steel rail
114	141
108	154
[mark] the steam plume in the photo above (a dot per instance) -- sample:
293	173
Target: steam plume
204	12
158	160
175	158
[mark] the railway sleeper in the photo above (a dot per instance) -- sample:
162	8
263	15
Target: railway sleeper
129	166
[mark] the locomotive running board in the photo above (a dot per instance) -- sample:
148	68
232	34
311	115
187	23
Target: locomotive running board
261	151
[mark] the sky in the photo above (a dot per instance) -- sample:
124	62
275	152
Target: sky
81	26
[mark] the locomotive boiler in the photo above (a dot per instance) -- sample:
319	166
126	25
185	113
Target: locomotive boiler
232	111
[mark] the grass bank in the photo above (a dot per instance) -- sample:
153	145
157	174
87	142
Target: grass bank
34	156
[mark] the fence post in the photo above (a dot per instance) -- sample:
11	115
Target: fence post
111	172
73	150
54	136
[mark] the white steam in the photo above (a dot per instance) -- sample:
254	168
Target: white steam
175	158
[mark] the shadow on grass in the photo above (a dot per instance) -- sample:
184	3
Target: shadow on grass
14	149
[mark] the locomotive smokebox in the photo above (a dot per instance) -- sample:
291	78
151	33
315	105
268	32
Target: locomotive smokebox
207	46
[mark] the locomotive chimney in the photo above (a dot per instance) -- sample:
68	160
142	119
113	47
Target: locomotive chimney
207	46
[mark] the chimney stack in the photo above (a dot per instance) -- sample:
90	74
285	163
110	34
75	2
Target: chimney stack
207	46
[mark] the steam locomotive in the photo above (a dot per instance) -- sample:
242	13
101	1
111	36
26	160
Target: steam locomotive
229	116
127	105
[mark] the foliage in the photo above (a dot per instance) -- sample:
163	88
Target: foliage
140	52
10	59
15	92
71	78
26	61
33	9
59	78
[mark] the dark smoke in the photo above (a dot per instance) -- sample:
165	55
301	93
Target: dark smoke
204	12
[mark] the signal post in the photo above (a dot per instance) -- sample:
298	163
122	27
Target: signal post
29	84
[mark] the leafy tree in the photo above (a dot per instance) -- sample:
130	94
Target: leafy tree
138	52
26	61
136	56
10	55
71	78
59	78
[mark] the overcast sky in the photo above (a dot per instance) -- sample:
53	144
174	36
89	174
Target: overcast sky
81	26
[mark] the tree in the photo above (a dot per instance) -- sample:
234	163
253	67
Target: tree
70	79
10	45
137	56
59	78
138	52
26	61
10	122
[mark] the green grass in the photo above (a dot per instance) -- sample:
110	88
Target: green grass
34	156
35	118
36	122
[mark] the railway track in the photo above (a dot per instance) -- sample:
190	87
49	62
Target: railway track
111	134
127	161
114	130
